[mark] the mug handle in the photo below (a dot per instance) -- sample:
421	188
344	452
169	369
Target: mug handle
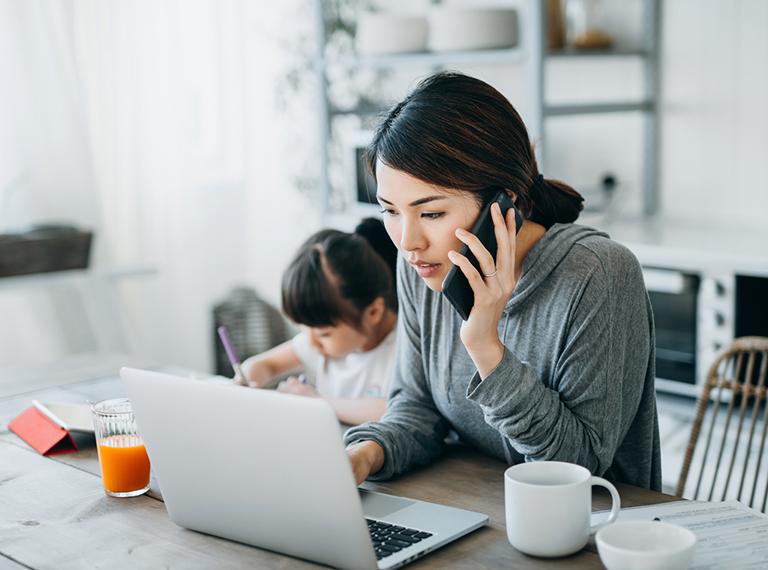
615	502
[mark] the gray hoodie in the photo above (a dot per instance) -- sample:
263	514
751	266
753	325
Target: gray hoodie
576	382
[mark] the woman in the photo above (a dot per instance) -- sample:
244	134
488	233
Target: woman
556	359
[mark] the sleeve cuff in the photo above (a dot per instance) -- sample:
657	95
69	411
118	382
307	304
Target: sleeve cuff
510	389
372	432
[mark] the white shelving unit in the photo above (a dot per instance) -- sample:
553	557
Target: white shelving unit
421	62
531	51
648	104
429	59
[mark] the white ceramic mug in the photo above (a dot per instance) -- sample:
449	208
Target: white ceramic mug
548	506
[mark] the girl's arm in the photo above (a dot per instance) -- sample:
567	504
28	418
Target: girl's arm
351	411
355	411
262	369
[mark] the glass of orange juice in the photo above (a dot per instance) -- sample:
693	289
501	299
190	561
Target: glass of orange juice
122	457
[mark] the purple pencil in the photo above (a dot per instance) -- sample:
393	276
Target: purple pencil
231	354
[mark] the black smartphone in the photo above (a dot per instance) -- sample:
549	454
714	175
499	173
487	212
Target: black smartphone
456	288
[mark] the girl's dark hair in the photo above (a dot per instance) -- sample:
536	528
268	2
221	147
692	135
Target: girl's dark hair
458	132
335	275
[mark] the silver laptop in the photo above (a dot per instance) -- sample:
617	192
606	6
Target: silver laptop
270	470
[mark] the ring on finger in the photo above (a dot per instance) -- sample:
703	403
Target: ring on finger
495	271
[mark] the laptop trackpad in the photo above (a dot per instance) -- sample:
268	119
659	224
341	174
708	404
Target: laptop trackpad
377	506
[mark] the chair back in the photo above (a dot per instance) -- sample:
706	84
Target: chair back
253	324
732	416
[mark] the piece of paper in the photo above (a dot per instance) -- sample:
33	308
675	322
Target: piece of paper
730	534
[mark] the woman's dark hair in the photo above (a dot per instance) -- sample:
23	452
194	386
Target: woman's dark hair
335	275
458	132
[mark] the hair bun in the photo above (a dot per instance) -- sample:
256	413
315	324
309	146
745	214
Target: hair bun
553	201
372	229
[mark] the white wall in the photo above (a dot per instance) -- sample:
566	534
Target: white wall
715	111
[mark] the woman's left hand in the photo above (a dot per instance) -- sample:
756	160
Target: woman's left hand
294	386
492	289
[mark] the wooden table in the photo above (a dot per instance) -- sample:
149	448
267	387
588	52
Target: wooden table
54	513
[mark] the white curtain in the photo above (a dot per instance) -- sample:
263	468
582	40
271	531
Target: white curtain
179	151
45	171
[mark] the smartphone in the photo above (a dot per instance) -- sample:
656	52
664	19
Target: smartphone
456	288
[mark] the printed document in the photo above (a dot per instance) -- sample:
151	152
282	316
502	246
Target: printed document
730	534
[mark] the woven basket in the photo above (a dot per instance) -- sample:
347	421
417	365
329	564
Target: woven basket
44	249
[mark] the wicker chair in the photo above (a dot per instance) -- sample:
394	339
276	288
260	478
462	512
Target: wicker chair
737	378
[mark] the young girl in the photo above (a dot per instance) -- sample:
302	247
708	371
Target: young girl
340	288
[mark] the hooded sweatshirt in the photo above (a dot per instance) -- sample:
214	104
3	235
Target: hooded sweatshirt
575	383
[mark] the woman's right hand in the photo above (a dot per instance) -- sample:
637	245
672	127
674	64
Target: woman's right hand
366	457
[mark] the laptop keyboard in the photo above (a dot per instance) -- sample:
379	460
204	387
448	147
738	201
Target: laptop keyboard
388	538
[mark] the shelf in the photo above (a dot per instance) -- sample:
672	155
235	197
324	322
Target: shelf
75	274
592	53
479	56
597	108
532	55
645	53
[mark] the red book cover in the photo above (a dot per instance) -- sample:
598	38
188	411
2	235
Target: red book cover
42	433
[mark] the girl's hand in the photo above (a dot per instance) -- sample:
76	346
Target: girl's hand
258	374
492	290
294	386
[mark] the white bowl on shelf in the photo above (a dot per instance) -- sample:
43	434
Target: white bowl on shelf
645	545
456	28
382	33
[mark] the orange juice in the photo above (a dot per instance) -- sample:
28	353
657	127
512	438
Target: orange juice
124	464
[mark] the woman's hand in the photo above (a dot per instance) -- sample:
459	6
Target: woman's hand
492	289
366	458
295	386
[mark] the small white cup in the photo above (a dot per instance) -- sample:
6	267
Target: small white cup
645	545
548	507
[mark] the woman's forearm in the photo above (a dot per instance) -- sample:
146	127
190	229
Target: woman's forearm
487	356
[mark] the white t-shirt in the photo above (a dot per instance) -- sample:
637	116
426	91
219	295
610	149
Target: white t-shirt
357	375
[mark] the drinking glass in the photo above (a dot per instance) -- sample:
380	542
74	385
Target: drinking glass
124	461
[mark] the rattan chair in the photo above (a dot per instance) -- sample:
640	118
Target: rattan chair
737	379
